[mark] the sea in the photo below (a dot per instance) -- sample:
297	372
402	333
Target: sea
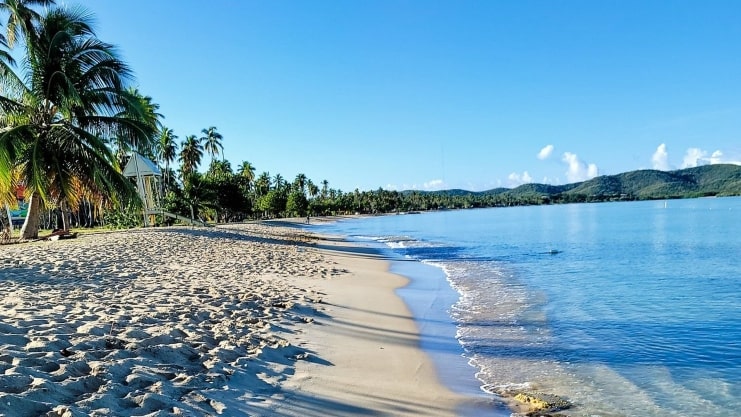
622	308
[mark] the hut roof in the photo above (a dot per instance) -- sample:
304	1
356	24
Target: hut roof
144	166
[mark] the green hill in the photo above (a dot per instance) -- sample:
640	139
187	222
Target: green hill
530	190
708	180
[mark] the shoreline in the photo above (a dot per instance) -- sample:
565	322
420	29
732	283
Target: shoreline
237	319
373	344
368	341
429	295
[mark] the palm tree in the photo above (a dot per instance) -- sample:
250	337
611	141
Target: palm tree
313	189
198	194
167	149
247	171
212	141
139	107
220	170
169	182
144	106
191	153
21	16
278	182
56	123
300	183
262	184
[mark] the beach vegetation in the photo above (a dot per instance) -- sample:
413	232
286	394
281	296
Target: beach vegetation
198	194
262	184
167	149
296	204
126	218
191	153
247	171
212	142
61	107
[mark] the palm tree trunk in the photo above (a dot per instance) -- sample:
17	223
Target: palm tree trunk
30	229
66	217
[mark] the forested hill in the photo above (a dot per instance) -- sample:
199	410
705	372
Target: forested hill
702	181
707	180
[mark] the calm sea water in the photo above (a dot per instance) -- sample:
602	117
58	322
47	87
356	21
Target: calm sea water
625	309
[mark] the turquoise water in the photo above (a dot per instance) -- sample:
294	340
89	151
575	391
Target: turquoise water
626	309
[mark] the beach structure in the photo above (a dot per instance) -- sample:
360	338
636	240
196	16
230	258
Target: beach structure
148	179
147	176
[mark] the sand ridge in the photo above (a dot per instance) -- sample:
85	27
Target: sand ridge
154	322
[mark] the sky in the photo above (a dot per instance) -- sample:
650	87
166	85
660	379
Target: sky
434	95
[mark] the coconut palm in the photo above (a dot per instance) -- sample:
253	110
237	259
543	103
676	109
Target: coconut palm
21	16
198	193
220	170
262	184
167	149
9	179
278	180
169	178
247	171
212	141
300	183
312	188
191	153
139	104
57	122
139	107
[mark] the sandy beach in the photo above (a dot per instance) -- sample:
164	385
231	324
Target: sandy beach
234	320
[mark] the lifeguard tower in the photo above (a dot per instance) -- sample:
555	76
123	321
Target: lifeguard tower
147	176
148	184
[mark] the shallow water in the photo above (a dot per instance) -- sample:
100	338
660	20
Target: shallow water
626	309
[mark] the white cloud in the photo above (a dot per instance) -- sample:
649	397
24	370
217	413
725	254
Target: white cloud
694	157
593	171
660	158
516	179
433	185
719	157
546	152
578	169
716	157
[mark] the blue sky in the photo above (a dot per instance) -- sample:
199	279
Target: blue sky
453	94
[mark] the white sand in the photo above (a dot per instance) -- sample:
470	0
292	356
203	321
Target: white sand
370	341
194	322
